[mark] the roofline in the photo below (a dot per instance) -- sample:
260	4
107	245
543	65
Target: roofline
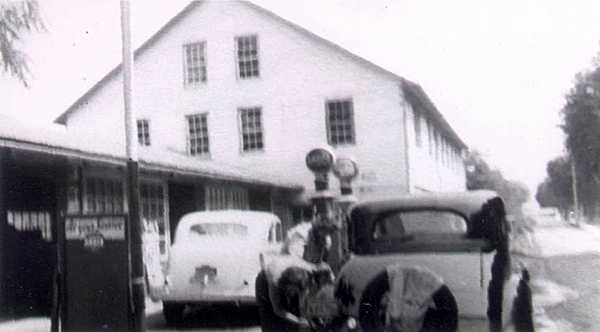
144	165
429	107
62	119
435	113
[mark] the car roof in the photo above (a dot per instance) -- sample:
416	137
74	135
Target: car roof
256	221
465	203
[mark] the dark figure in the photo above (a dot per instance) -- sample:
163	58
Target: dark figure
522	313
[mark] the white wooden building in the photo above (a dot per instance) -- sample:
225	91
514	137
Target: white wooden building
228	84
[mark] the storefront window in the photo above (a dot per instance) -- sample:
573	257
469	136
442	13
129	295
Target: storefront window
226	197
152	203
104	196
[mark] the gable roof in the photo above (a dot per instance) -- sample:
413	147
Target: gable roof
416	96
62	119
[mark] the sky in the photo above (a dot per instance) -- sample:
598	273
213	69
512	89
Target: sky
497	70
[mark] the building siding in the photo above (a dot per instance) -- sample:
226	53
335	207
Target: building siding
297	75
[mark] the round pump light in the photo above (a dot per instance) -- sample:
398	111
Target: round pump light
351	323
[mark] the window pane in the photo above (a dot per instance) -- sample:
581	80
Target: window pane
252	132
194	63
198	134
340	128
247	56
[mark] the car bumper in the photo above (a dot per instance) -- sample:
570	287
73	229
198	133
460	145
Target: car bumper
242	296
213	299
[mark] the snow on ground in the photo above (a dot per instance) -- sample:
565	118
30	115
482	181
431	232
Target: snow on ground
568	240
554	240
34	324
547	294
558	240
548	241
42	324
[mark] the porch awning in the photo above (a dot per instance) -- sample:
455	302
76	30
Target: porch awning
57	140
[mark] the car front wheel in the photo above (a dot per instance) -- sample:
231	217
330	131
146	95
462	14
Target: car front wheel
173	312
373	307
269	321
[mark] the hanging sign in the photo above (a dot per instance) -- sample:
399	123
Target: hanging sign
95	230
96	276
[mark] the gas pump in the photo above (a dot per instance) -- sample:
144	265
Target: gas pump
320	162
328	241
346	170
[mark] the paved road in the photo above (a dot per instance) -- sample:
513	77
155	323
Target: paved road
217	318
574	302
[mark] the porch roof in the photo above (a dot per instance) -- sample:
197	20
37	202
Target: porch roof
56	140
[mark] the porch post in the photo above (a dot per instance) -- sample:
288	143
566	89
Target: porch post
58	313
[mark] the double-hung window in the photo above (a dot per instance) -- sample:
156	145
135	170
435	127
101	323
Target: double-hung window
247	56
198	134
251	129
143	132
194	63
340	122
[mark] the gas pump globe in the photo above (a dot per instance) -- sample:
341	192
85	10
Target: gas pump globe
346	170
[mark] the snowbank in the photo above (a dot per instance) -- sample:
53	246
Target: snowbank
567	240
35	324
557	241
547	294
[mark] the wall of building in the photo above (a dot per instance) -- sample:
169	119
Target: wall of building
432	169
297	75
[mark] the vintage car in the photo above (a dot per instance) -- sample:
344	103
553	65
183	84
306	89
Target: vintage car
446	254
215	258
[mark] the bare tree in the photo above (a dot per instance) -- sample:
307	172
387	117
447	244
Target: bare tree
16	18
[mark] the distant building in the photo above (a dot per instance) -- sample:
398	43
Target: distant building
229	97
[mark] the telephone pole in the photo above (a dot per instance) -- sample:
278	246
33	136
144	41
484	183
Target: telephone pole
574	189
134	234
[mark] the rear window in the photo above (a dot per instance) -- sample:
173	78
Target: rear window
219	229
407	223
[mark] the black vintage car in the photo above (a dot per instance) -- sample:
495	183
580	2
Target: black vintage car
436	262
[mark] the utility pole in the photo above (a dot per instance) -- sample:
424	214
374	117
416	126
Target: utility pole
574	189
134	234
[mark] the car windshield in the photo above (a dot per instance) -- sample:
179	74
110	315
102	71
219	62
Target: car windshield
406	223
219	229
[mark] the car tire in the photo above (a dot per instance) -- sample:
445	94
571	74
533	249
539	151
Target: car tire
269	321
173	312
443	318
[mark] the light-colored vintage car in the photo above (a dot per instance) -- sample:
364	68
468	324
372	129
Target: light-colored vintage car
460	238
437	262
215	258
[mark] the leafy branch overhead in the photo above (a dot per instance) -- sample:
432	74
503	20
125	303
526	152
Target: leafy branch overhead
16	18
